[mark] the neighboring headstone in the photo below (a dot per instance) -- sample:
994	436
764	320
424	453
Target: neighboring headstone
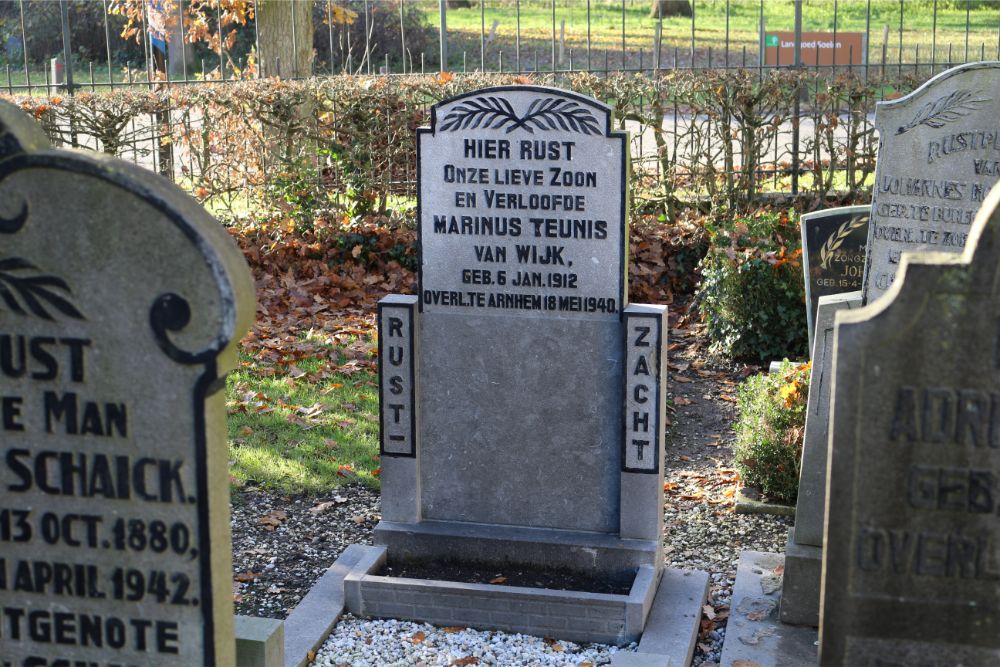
833	254
523	402
938	156
911	572
803	551
121	305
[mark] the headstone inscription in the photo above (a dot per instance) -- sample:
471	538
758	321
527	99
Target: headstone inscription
938	156
833	254
911	572
519	377
121	303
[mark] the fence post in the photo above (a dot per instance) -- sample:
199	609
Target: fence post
67	47
443	27
798	95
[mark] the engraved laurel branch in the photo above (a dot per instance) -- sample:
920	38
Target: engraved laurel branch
834	242
543	114
944	110
34	293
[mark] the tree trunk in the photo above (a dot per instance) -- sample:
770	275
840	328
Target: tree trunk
285	52
664	8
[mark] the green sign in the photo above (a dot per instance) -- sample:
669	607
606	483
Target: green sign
770	40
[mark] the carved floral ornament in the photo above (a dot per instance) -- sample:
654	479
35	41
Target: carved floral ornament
490	112
23	288
944	110
833	243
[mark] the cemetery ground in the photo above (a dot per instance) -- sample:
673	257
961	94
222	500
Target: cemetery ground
303	423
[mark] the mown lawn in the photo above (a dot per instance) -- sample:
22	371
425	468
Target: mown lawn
606	20
302	427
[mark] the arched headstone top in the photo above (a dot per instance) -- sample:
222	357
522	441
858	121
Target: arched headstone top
122	302
937	160
216	317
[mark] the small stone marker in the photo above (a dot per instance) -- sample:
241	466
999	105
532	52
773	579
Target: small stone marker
523	402
911	572
938	156
833	254
121	304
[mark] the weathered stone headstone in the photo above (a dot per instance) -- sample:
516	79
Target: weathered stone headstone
911	572
522	399
938	156
121	303
803	550
833	254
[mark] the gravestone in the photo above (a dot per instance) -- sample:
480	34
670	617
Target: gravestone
938	156
121	304
833	254
803	550
911	556
522	399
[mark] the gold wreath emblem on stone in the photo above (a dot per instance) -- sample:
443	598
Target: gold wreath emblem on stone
834	242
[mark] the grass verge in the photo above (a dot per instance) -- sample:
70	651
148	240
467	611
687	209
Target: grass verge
302	429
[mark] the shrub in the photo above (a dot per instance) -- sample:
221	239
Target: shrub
769	430
752	295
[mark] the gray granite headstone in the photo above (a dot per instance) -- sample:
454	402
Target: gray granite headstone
522	284
523	401
121	305
833	254
911	572
938	156
803	551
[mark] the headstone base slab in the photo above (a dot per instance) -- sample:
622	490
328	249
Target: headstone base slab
571	615
673	623
497	545
802	577
747	505
754	633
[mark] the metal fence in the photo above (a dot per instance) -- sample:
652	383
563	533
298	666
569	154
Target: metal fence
914	37
413	36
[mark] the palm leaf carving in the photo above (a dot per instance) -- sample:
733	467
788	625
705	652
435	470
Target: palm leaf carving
36	294
944	110
543	114
834	242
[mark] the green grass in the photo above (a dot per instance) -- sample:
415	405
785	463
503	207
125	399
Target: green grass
606	20
305	435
